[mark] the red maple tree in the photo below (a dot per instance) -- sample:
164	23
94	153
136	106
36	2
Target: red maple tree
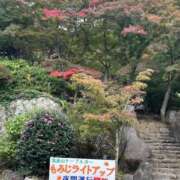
64	74
134	29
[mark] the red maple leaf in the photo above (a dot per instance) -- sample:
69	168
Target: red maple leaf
134	29
81	14
65	75
51	12
56	74
94	3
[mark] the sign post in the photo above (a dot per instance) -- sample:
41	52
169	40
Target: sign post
81	169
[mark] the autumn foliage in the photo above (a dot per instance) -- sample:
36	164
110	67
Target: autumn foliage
74	70
134	29
64	74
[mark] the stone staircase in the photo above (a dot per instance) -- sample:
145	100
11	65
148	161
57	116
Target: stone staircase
165	158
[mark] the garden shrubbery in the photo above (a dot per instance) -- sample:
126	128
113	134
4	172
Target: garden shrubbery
25	78
9	139
5	74
31	139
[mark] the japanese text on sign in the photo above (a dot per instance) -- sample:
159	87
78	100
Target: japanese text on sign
81	169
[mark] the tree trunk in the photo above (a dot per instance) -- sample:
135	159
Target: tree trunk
165	102
106	72
75	97
106	76
117	150
134	65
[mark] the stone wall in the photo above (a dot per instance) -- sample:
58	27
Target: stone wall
173	119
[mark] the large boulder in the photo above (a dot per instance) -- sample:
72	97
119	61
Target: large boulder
21	106
144	172
2	118
128	177
136	150
173	119
10	175
33	178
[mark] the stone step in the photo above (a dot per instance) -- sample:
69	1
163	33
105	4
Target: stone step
164	151
154	129
161	176
167	161
173	174
153	133
166	148
165	165
154	125
166	170
164	130
164	156
156	134
160	141
156	137
177	176
164	160
157	131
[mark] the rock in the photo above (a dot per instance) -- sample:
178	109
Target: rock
144	172
136	150
130	108
21	106
140	108
10	175
173	119
128	177
2	118
141	66
33	178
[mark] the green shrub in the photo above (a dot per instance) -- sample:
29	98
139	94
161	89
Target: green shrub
9	139
15	125
45	135
7	150
25	75
5	74
27	78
